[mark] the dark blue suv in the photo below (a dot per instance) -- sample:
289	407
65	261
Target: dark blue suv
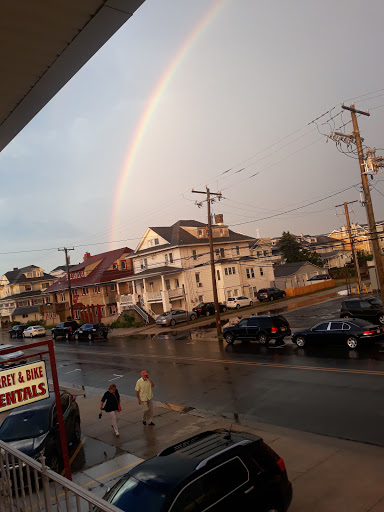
214	470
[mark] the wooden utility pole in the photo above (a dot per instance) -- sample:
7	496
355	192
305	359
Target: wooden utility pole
354	255
209	199
367	198
65	249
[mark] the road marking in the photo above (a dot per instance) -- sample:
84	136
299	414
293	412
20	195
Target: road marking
75	453
113	472
268	365
117	377
76	370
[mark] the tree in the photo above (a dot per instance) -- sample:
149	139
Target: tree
293	252
363	257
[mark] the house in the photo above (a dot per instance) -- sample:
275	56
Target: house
265	250
335	259
21	292
60	271
172	268
93	288
292	275
360	234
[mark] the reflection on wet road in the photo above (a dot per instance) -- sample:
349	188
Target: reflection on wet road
327	390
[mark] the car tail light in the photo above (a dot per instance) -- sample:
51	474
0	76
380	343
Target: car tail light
200	309
281	465
70	329
367	333
274	329
73	399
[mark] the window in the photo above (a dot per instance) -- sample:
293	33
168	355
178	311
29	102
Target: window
77	314
166	259
115	266
112	310
218	275
62	296
151	243
255	291
365	305
222	253
201	298
194	254
230	271
222	232
170	257
79	274
226	271
113	287
74	292
143	263
235	292
321	327
177	283
229	293
265	253
250	272
123	265
237	250
233	270
96	289
28	288
259	254
44	285
336	326
243	323
85	290
167	284
217	252
197	277
261	271
156	241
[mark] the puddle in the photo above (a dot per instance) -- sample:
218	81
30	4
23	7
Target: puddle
92	452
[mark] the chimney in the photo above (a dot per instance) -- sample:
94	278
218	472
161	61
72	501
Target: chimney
15	268
87	255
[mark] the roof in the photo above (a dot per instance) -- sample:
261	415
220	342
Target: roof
170	467
25	310
44	44
176	236
331	254
291	268
17	276
98	275
62	267
16	296
165	269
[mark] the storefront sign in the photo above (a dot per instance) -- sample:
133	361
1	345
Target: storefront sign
23	385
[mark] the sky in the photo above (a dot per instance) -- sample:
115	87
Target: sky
182	93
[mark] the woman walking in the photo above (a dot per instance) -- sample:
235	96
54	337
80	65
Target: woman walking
112	406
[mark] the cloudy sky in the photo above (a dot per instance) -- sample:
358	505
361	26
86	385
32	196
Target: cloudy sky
224	84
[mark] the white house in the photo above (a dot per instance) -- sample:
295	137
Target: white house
172	270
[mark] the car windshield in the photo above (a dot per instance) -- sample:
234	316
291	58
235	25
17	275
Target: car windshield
201	305
376	302
24	425
131	494
87	326
166	313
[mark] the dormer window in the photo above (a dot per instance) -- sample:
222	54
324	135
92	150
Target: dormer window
200	233
115	266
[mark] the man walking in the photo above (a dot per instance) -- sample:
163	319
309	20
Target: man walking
144	396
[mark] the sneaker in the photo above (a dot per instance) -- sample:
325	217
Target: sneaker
151	424
144	422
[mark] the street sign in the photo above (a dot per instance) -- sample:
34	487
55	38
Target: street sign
23	385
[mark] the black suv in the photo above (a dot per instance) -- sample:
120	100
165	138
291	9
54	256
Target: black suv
270	294
262	328
214	470
367	308
208	308
17	331
64	330
33	428
92	331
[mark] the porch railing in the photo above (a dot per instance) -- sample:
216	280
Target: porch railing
177	292
29	485
151	296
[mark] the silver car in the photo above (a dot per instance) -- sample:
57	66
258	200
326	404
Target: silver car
174	317
7	360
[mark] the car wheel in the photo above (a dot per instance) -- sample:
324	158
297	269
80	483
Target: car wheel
300	341
237	306
352	342
224	309
76	337
208	313
90	337
229	338
77	432
67	336
271	297
54	463
172	322
193	316
251	303
283	295
262	339
381	319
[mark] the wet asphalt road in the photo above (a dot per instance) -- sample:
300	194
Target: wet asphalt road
327	390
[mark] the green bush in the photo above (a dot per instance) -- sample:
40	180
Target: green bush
125	321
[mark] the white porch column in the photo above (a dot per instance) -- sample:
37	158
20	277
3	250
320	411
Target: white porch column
164	295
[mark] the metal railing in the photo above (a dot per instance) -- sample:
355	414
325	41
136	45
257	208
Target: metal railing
142	313
29	485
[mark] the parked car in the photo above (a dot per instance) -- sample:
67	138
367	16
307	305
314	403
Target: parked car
270	294
239	302
214	470
368	308
92	332
33	331
8	360
351	332
320	277
64	330
262	328
17	331
208	308
174	317
33	428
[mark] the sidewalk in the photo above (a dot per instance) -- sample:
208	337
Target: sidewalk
327	474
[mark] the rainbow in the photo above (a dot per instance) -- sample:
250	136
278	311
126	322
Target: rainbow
150	108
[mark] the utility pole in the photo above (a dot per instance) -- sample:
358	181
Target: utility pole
354	256
209	199
367	198
65	249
